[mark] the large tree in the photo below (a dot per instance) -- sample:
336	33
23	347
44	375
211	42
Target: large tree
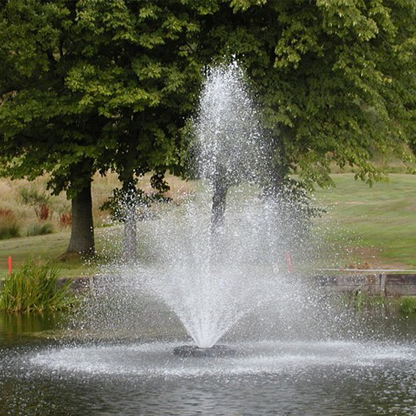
41	126
91	85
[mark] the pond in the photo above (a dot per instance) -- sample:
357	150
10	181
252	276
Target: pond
41	376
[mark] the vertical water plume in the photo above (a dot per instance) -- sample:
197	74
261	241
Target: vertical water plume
229	135
215	258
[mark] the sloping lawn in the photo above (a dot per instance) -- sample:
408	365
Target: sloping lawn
49	246
377	224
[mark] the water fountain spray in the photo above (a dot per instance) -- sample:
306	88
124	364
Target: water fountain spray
209	263
228	135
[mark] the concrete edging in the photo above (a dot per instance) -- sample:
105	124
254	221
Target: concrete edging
383	284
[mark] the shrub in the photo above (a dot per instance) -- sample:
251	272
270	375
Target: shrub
42	212
8	225
65	220
34	288
39	229
39	200
6	213
34	197
9	231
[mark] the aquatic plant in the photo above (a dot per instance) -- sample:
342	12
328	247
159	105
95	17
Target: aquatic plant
407	305
34	288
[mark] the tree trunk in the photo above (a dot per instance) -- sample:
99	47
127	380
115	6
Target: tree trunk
278	170
129	202
130	233
82	231
218	203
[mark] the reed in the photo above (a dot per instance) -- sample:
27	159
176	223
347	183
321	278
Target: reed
34	288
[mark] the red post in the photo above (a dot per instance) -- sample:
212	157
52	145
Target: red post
10	263
289	262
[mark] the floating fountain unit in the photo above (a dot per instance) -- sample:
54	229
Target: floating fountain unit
217	351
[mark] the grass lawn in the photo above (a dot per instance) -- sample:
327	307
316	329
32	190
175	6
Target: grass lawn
17	210
43	247
377	224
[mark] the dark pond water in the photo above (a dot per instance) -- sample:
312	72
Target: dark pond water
39	376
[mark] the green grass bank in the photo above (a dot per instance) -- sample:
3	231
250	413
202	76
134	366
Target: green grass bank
376	225
368	225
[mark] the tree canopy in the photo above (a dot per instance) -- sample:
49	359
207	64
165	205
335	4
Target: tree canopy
336	79
111	81
106	80
86	86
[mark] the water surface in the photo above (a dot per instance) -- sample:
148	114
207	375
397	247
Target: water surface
40	376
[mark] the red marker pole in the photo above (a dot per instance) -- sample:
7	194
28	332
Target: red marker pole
289	262
10	263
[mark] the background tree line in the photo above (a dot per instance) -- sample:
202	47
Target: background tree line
92	85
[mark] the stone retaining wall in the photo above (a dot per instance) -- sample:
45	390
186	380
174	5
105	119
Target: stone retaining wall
375	284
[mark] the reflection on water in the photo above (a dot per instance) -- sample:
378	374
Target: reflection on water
315	391
16	326
39	377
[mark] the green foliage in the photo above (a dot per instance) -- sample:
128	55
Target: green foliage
407	305
87	86
34	288
32	196
364	301
9	230
336	79
94	85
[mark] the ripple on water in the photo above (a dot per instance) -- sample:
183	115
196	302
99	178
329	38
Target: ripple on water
158	360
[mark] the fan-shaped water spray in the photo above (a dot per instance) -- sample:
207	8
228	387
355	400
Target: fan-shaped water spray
212	266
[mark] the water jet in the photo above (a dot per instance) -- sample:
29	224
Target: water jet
220	256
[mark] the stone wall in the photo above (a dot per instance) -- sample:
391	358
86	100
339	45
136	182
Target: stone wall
375	284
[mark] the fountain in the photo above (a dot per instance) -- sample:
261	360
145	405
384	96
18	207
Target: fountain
218	257
214	267
215	264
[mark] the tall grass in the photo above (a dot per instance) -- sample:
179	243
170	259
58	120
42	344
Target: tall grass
24	201
8	225
39	229
34	288
364	301
30	204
